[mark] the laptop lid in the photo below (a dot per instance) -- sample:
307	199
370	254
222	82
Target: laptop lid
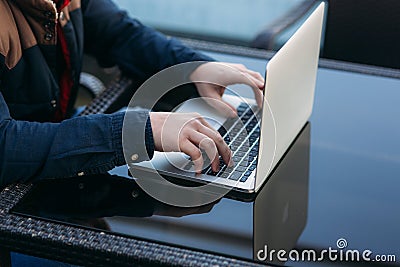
289	89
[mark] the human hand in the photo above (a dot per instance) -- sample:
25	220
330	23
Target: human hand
188	133
213	77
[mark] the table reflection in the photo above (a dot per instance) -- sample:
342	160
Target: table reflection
274	220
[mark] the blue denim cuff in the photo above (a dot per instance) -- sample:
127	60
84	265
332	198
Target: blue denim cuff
149	139
117	121
117	124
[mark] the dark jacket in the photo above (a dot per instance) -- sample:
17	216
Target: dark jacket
40	65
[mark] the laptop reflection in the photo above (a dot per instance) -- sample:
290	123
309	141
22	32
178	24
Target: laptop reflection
274	220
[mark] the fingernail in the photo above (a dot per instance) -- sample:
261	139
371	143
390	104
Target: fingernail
216	169
231	163
198	169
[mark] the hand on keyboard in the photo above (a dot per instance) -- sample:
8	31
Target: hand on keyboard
189	133
242	136
213	77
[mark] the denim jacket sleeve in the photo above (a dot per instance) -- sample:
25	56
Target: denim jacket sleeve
116	39
85	145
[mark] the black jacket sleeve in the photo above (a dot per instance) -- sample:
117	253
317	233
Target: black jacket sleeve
85	145
116	39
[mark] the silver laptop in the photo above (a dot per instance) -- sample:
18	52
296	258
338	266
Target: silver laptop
258	138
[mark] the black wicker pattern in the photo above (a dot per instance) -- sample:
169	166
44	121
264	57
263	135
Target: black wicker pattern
102	102
360	68
266	38
88	247
228	49
264	54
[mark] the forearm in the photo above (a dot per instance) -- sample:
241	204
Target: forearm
86	145
31	151
115	38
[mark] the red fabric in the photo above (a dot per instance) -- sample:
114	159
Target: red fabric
65	3
66	81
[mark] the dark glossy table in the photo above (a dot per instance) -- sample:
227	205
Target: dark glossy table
339	181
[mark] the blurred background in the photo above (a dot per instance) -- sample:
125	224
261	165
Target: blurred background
226	21
358	31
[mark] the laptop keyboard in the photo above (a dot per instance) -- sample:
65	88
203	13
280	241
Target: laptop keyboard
243	139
